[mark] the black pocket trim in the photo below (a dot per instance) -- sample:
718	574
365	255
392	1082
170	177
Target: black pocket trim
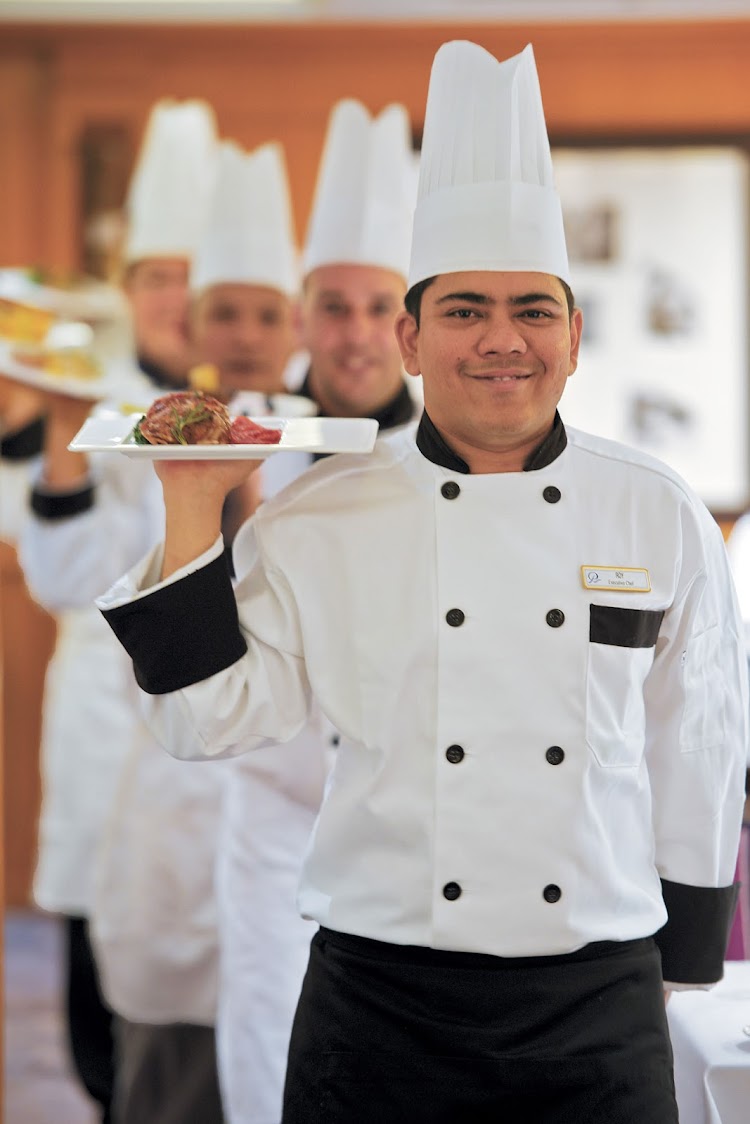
624	628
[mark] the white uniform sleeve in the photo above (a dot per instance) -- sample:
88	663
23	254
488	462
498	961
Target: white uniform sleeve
74	545
220	675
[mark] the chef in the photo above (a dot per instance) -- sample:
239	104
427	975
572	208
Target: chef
356	258
76	537
355	265
157	925
529	642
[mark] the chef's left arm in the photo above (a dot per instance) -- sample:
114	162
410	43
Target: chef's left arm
697	737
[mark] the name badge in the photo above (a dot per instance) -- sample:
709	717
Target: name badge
628	579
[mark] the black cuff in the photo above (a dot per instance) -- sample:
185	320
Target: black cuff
182	633
24	443
693	943
62	505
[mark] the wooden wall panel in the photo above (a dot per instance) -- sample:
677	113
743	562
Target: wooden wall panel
279	82
26	640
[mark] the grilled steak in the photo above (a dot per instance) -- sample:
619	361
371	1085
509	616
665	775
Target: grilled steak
186	418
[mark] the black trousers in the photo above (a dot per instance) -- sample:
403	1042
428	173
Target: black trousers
89	1019
385	1033
166	1074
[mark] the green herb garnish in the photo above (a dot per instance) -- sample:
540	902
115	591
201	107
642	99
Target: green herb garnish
136	434
196	414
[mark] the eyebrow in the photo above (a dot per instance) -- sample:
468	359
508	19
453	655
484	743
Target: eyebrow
341	295
483	299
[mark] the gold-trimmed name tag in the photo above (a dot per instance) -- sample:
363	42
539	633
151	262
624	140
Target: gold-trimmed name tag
626	579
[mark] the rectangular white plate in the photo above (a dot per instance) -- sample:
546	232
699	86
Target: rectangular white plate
94	390
111	433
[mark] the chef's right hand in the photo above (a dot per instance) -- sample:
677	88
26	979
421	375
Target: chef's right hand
194	494
202	481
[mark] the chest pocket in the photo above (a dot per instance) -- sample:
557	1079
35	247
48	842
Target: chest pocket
621	651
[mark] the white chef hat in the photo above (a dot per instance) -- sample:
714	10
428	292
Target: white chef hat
172	181
249	234
486	197
364	197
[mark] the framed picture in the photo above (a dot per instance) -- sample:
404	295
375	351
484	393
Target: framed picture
658	246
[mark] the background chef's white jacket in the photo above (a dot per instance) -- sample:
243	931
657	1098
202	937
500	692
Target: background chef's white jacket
654	738
269	804
150	864
88	722
84	729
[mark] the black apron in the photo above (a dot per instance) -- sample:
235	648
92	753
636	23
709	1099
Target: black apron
387	1034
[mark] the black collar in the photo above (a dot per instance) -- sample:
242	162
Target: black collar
433	445
398	411
157	376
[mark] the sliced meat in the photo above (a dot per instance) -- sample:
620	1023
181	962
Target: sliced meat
186	417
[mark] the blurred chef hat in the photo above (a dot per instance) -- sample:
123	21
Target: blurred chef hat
486	197
172	181
365	194
249	233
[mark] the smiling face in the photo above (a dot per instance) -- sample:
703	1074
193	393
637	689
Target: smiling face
348	315
495	351
247	332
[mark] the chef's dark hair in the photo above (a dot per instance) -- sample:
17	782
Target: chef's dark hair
413	298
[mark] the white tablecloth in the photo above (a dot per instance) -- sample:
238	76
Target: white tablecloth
711	1052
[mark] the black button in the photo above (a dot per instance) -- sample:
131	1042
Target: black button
552	494
451	891
450	490
555	618
454	753
455	617
551	893
555	755
335	739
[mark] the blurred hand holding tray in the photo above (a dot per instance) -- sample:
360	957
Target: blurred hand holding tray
111	432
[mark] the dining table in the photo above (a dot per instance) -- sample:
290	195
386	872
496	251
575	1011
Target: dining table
710	1032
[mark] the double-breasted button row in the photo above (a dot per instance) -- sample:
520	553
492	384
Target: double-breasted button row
551	893
450	490
456	753
456	617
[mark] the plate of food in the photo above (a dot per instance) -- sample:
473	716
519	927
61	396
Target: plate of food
61	363
191	425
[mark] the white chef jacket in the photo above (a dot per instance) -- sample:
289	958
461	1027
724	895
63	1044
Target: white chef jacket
360	568
269	804
738	549
83	736
140	826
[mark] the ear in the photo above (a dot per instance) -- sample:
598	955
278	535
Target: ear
407	335
576	329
